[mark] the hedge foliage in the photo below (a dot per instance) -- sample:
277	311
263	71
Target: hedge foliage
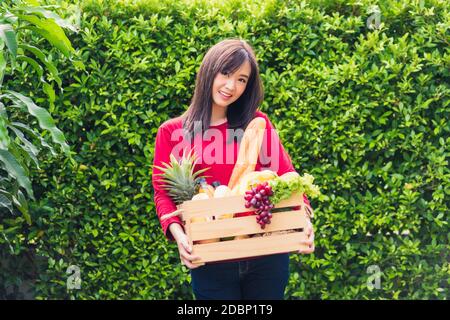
363	110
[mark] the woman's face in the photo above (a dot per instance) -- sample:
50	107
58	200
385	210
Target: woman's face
227	88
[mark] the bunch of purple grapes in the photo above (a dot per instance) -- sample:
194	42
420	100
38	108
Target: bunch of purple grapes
259	198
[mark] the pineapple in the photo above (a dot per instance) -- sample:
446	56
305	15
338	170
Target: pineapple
180	180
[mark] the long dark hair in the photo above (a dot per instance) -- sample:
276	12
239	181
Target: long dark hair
226	56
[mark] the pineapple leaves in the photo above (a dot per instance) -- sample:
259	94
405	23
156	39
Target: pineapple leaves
179	178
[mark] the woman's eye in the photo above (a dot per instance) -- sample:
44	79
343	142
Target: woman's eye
242	80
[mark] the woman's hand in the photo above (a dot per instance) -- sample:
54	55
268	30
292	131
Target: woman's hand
184	247
185	252
310	239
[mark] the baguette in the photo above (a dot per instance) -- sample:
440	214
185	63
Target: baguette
248	150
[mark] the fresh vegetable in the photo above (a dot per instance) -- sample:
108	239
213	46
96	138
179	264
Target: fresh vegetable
288	176
283	188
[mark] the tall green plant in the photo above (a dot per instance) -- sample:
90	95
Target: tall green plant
21	22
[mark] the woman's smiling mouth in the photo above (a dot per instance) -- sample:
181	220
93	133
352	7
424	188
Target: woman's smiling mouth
224	95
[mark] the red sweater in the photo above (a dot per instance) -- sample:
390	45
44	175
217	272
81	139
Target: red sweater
168	141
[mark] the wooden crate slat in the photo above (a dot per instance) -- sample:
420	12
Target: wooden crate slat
252	247
213	206
295	199
228	205
294	219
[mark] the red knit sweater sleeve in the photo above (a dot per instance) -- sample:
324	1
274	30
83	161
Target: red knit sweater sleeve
164	204
273	155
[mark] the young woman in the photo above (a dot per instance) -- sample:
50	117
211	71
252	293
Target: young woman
227	95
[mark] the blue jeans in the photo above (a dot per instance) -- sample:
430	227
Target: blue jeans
255	279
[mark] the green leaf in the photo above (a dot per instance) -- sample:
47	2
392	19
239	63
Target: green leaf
2	65
44	118
36	135
79	65
48	89
16	171
21	202
50	15
6	200
50	31
28	147
32	2
9	37
4	136
33	64
41	56
36	51
387	166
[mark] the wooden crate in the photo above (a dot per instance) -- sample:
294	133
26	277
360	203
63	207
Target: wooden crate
225	228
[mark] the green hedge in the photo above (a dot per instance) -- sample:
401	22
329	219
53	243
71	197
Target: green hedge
365	111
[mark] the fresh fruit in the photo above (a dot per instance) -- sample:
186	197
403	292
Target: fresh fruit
222	191
179	178
259	198
199	196
206	188
253	178
265	175
248	150
244	182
